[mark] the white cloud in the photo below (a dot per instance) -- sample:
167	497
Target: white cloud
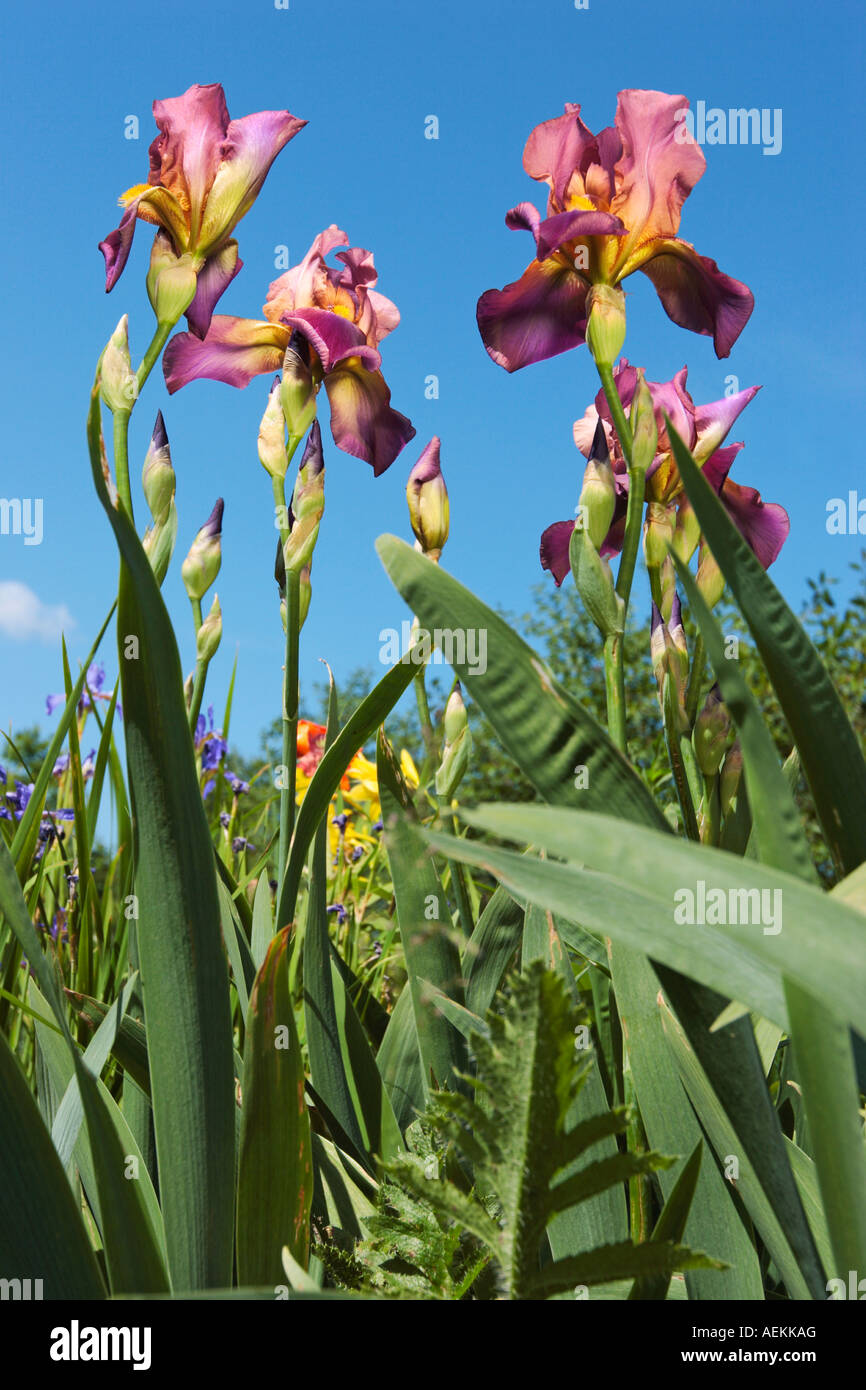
24	617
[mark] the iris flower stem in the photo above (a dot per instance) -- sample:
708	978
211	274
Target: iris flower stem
200	672
614	684
424	718
696	676
614	644
290	678
155	347
121	459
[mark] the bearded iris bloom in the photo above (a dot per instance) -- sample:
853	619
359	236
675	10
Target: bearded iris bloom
206	172
339	319
703	428
613	208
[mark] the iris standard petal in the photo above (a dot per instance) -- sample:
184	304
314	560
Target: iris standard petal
249	149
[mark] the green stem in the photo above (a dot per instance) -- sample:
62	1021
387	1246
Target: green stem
200	672
614	685
121	459
290	678
424	716
696	679
155	347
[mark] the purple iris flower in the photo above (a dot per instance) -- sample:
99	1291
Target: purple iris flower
19	798
341	821
340	911
237	785
61	765
225	819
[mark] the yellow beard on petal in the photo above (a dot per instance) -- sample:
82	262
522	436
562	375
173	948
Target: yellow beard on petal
137	188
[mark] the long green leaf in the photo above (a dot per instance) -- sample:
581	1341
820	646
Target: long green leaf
831	755
183	968
42	1235
429	945
275	1167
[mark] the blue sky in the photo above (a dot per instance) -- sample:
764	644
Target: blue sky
366	78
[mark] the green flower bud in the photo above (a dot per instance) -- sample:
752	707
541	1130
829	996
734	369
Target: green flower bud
658	533
687	532
457	747
605	323
171	280
305	593
210	632
308	504
201	566
594	581
159	541
712	733
117	384
427	497
157	475
272	435
644	431
729	782
598	494
709	578
298	387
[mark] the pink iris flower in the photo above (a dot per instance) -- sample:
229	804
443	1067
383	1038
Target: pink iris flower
613	207
342	319
206	172
765	525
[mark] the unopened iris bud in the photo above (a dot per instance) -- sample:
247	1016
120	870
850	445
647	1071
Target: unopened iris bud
729	782
308	504
117	384
171	280
709	578
669	652
605	323
457	747
658	644
712	733
298	387
598	494
305	593
201	566
678	638
210	632
644	431
157	475
272	435
687	532
658	533
427	496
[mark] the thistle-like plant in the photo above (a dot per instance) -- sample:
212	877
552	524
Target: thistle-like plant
463	1212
